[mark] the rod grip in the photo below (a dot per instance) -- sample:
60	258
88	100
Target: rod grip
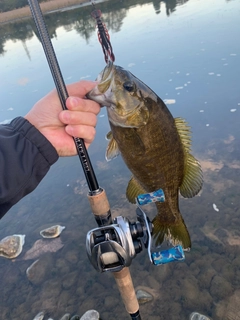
125	285
99	203
100	208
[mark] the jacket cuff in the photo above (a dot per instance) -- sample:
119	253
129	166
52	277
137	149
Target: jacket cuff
31	133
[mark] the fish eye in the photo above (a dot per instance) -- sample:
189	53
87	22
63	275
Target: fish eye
129	86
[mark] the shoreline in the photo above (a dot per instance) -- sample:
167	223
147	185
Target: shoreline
23	13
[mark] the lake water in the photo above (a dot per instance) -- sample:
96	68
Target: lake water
188	52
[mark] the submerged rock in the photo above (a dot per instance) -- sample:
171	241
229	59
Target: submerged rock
28	271
52	232
11	246
43	246
39	316
229	309
66	316
90	315
143	296
220	282
198	316
38	271
75	317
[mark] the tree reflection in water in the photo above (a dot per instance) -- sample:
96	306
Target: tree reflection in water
79	19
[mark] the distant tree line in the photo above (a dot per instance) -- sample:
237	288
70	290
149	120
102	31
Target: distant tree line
7	5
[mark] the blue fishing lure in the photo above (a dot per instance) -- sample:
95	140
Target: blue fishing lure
151	197
166	256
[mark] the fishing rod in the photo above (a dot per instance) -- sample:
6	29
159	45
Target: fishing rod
97	196
62	91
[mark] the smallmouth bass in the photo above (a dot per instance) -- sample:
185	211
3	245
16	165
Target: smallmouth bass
154	146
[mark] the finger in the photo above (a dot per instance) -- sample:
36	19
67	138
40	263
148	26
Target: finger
78	118
76	103
80	88
85	132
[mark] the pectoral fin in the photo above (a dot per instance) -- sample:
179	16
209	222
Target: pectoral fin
133	190
109	136
193	177
112	148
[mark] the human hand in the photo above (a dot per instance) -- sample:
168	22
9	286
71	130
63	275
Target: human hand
59	126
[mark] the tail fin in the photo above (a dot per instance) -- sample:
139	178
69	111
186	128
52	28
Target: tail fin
176	233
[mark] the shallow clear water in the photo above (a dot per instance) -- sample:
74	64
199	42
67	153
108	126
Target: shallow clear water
189	53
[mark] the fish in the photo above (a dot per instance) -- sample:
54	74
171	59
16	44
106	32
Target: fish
154	146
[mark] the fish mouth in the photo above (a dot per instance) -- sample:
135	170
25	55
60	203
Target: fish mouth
102	92
105	78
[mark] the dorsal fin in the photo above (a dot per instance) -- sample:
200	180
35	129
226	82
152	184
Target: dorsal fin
193	177
184	132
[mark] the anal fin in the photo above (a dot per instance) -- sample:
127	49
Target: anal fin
133	190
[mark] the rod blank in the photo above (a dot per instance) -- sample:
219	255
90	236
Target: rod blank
62	91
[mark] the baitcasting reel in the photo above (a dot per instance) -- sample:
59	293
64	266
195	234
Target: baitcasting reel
112	247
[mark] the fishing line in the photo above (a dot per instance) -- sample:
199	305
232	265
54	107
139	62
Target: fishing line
62	92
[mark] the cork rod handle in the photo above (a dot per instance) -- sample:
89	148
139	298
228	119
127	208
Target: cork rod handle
125	285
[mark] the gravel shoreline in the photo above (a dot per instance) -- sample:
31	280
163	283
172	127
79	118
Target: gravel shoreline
22	13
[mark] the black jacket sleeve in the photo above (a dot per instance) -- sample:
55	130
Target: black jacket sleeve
25	158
